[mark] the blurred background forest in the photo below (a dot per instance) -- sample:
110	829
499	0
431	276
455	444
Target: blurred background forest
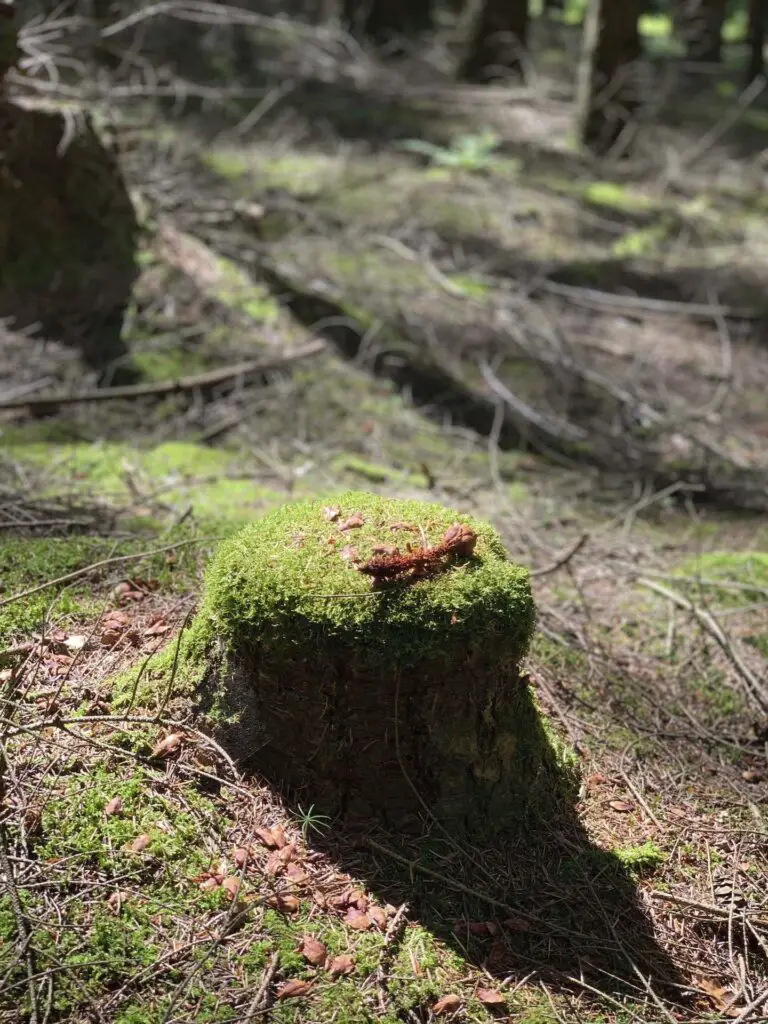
506	255
487	203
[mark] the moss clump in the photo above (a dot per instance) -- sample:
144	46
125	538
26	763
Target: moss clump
285	579
368	701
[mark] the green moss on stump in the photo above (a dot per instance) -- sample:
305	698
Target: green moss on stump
358	698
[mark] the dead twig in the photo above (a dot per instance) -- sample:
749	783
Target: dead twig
562	559
170	387
260	1000
753	686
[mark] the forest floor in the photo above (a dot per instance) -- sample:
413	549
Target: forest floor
575	352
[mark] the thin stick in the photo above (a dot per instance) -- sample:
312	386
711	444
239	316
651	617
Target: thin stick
260	999
563	559
18	913
116	560
169	387
753	686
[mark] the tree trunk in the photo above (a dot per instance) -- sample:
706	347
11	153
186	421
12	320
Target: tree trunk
383	21
699	24
758	17
9	39
607	94
498	41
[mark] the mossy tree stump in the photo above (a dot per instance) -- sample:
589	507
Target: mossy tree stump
392	698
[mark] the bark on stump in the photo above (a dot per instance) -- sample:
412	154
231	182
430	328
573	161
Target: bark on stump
375	698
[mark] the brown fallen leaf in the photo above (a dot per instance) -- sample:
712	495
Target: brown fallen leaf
167	746
140	843
384	549
287	853
446	1004
293	989
273	838
341	964
752	776
120	593
286	904
240	856
110	637
394	527
331	513
116	900
349	553
517	924
354	522
210	883
296	874
378	917
356	919
490	997
157	627
114	806
621	805
723	997
274	865
313	951
232	885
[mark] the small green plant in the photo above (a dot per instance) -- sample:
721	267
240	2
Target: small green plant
467	152
641	859
310	821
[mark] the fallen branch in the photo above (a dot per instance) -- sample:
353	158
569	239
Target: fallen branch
170	387
593	298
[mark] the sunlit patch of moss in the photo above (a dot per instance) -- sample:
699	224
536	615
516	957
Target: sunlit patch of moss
612	194
168	364
642	242
304	173
728	575
471	286
642	859
211	482
228	163
239	292
260	574
378	474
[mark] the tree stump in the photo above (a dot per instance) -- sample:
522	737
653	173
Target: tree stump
68	230
370	682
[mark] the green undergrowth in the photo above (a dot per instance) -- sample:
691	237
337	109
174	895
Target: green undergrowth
121	919
728	576
213	483
26	563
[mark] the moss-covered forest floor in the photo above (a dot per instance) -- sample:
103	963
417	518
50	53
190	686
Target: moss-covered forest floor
573	351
